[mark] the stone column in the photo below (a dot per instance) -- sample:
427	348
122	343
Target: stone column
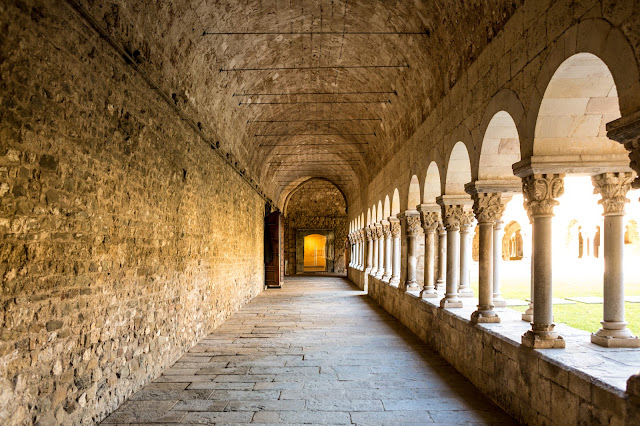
350	236
380	234
388	251
488	209
369	237
360	251
442	258
412	230
498	300
430	222
614	332
376	255
464	288
540	192
454	217
528	314
396	230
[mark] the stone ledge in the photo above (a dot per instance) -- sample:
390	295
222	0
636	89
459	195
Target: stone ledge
582	383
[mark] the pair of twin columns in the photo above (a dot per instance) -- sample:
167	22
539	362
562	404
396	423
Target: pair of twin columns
487	204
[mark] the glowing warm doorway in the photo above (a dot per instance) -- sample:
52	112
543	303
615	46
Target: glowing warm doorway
315	259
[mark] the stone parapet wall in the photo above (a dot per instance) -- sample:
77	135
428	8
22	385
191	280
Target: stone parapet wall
124	237
525	383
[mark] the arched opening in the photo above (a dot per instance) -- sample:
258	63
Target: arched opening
513	242
500	148
386	212
317	206
414	193
458	170
395	203
432	186
580	99
314	253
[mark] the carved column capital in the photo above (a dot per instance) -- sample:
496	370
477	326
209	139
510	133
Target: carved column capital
430	221
541	192
386	230
396	229
626	130
379	233
613	187
363	235
456	216
368	233
488	207
413	225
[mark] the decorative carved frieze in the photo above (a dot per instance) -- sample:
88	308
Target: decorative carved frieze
614	188
488	207
541	193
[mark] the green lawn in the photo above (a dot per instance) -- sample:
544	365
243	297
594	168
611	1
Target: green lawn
579	279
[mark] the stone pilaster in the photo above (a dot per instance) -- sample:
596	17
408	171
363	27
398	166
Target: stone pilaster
613	187
540	194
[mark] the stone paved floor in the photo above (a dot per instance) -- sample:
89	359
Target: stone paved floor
316	351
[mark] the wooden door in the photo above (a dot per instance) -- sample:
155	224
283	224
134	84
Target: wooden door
274	268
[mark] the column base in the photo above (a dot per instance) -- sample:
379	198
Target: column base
615	334
395	282
498	301
411	286
528	314
367	271
373	272
451	302
386	278
615	342
378	276
532	340
484	317
428	293
465	292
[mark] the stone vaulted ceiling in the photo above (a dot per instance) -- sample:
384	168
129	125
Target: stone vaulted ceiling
297	89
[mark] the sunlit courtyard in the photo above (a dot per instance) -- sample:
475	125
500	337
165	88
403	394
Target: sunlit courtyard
578	264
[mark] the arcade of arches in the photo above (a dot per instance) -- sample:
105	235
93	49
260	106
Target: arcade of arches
162	162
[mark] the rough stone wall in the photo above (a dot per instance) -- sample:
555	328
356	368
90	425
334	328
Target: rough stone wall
124	239
316	204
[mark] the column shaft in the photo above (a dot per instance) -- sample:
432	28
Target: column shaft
429	289
485	312
451	299
464	288
442	259
498	300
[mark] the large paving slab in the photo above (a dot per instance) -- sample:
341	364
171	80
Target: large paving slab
317	351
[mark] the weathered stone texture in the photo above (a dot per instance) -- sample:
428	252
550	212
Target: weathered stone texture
124	239
316	204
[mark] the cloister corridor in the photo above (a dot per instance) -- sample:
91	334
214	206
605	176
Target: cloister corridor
319	351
